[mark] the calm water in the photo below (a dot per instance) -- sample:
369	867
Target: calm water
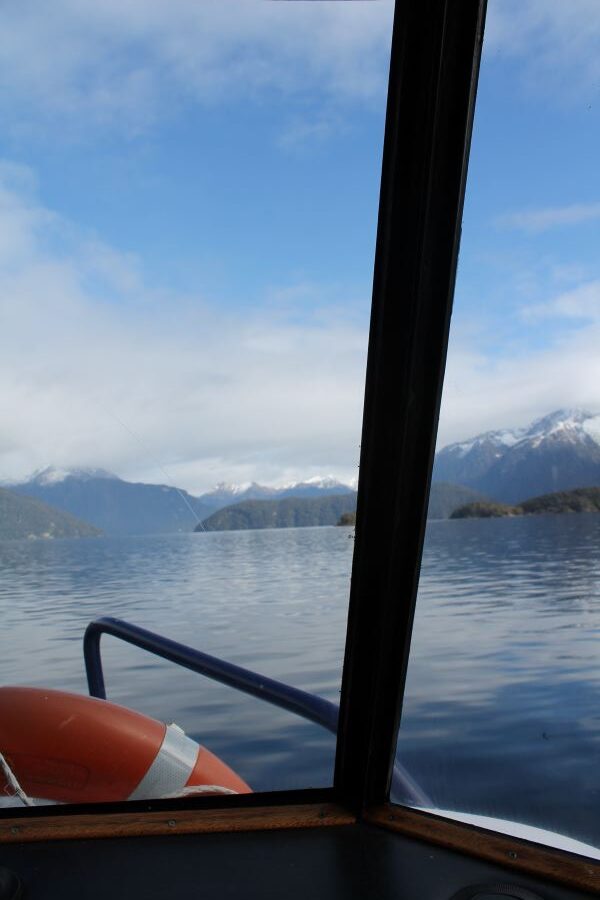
502	713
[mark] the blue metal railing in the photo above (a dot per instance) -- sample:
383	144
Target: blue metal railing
315	709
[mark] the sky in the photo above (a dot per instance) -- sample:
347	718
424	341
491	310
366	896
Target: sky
188	205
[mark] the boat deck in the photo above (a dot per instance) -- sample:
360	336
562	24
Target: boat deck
355	861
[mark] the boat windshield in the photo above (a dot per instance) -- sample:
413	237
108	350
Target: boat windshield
501	722
188	212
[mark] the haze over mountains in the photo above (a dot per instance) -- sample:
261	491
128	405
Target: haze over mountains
115	506
121	507
560	451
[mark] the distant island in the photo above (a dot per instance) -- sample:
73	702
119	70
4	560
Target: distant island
334	509
443	500
24	517
287	513
579	500
348	518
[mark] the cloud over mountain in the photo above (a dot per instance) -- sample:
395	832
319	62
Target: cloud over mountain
101	368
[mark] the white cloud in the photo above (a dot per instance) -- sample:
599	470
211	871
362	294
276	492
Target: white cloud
303	131
583	302
486	390
534	221
126	63
558	43
98	368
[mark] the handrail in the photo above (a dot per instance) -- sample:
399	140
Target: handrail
315	709
320	711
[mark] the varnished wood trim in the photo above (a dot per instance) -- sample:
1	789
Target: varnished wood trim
512	853
75	827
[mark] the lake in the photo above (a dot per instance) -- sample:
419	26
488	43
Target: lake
502	709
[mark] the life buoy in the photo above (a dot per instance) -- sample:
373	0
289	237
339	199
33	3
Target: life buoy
75	749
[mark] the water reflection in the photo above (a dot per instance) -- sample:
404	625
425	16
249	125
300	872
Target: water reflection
502	713
271	601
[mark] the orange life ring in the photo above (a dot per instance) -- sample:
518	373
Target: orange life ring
75	749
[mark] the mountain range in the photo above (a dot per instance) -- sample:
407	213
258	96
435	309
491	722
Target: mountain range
558	452
115	506
121	507
24	517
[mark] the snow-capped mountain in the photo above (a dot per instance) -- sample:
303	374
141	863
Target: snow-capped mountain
319	483
117	507
557	452
121	507
316	487
225	494
54	475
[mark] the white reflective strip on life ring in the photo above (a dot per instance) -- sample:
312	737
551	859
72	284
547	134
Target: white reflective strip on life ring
172	766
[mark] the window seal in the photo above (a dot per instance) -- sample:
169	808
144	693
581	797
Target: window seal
433	78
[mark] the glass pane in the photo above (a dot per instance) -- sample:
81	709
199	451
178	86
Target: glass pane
188	204
501	714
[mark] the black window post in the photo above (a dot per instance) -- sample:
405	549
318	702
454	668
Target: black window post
436	49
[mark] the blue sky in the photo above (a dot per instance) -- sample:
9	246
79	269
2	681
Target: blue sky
525	329
188	199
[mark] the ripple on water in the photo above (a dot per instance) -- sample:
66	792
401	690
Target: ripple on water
503	689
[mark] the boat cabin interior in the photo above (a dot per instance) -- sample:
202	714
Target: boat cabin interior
350	840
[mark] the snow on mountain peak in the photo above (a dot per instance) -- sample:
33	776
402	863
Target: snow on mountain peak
560	420
316	483
55	475
559	451
572	424
591	427
226	487
49	475
503	439
321	481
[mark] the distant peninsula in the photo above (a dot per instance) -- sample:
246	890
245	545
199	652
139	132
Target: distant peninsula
579	500
24	517
296	512
335	509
